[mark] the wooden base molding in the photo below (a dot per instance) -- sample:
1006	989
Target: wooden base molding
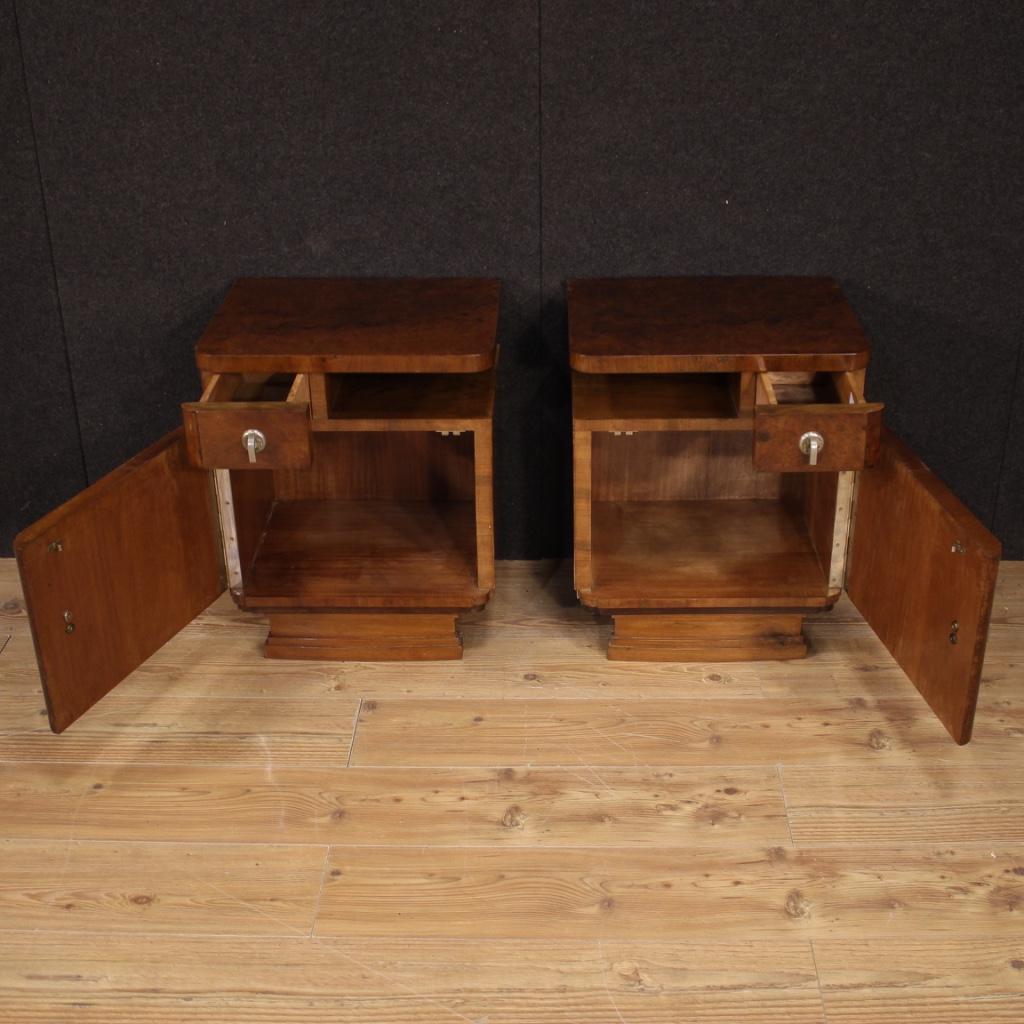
369	636
640	636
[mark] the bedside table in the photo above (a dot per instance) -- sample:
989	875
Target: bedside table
335	474
730	477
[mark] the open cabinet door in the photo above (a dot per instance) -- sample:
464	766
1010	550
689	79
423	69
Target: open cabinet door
113	574
922	572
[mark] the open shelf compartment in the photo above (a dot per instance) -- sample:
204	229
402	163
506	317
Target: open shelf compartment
662	401
402	401
715	554
366	554
683	520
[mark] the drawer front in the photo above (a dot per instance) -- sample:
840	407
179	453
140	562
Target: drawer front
216	435
851	436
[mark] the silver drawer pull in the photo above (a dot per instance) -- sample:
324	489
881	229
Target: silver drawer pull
810	444
254	441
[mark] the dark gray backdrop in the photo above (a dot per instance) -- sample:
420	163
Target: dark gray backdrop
153	151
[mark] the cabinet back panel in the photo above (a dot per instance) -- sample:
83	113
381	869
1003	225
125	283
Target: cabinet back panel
403	466
666	466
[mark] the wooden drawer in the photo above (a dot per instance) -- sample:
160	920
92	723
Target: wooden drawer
276	406
792	407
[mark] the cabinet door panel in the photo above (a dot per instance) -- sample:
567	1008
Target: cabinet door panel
922	573
113	574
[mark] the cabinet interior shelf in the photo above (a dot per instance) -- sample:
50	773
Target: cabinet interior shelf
366	554
693	554
662	401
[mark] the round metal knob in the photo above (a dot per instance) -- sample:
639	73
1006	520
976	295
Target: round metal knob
254	441
810	444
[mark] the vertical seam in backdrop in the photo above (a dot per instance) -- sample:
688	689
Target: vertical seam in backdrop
1015	397
49	242
540	167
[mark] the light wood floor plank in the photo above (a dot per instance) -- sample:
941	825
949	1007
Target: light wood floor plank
165	856
673	894
916	803
164	979
661	732
158	887
509	1007
575	806
176	730
952	982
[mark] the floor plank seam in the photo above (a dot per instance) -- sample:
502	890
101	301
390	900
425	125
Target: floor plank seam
547	766
785	803
355	729
320	892
817	975
918	846
122	840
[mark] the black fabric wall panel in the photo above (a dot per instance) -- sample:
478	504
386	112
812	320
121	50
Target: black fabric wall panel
186	144
879	143
182	145
40	455
1010	506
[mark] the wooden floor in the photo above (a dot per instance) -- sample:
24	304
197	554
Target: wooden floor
532	835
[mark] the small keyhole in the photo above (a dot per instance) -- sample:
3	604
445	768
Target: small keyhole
954	632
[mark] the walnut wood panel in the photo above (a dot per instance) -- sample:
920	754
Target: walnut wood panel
483	504
922	573
634	894
399	636
712	324
706	637
158	887
356	325
711	554
367	554
670	466
95	979
401	466
851	434
582	520
216	435
113	574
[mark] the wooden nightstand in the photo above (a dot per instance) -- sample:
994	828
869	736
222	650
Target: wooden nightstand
335	474
730	477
